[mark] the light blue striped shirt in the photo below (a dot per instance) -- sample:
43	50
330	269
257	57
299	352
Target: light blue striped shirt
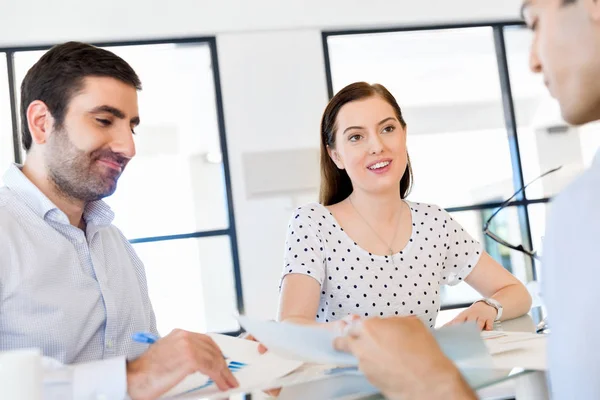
570	276
77	296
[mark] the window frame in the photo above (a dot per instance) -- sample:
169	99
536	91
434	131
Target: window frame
521	201
230	231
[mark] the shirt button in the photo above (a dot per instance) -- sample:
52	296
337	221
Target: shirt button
109	343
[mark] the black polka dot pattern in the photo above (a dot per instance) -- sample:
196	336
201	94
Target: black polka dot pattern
354	281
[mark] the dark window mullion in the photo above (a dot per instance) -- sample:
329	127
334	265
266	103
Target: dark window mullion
193	235
486	206
513	140
327	62
212	43
14	107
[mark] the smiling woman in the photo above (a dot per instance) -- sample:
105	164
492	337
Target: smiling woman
365	250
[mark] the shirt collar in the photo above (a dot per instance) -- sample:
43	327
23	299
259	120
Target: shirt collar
96	213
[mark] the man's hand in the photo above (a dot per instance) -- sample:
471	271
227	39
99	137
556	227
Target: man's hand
401	358
171	359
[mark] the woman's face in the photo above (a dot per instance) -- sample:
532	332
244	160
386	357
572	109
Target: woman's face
370	144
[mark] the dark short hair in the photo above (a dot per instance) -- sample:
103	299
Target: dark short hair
335	183
59	75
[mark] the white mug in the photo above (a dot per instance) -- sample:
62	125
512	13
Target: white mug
21	374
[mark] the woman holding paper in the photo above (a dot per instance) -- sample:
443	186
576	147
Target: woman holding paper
364	249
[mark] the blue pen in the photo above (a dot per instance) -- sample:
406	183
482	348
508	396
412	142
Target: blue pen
144	337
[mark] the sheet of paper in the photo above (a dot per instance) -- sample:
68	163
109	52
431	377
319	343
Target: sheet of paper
304	343
509	341
461	343
518	349
258	370
491	334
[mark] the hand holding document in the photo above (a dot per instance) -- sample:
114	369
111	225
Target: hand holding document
461	343
252	370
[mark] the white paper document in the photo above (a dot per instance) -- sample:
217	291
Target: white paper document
252	370
461	343
517	349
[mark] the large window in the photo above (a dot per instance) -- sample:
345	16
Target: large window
545	139
173	201
472	140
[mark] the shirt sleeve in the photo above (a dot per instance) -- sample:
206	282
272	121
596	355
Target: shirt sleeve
462	252
304	253
104	379
569	275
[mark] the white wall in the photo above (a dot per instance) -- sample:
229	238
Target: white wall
272	76
274	91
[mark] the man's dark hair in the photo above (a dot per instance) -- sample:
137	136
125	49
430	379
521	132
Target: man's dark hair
60	74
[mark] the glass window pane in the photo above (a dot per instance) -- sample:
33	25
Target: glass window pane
6	135
23	60
447	83
191	284
178	161
506	225
545	140
538	214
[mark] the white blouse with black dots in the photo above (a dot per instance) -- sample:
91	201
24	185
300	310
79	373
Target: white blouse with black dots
354	281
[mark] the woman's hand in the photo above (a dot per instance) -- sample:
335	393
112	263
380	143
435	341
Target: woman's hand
480	313
246	336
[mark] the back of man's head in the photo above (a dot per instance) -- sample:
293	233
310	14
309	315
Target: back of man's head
59	75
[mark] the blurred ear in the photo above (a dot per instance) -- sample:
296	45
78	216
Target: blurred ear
335	157
39	121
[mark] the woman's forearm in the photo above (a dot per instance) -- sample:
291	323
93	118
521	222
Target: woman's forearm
515	300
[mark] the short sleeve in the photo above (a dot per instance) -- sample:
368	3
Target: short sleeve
304	253
462	252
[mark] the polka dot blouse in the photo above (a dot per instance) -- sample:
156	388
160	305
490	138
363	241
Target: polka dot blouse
354	281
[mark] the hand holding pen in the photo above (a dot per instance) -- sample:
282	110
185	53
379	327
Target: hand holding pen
170	359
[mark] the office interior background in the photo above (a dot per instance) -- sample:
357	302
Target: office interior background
232	99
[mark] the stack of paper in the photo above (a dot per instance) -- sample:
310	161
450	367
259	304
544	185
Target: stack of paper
517	349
